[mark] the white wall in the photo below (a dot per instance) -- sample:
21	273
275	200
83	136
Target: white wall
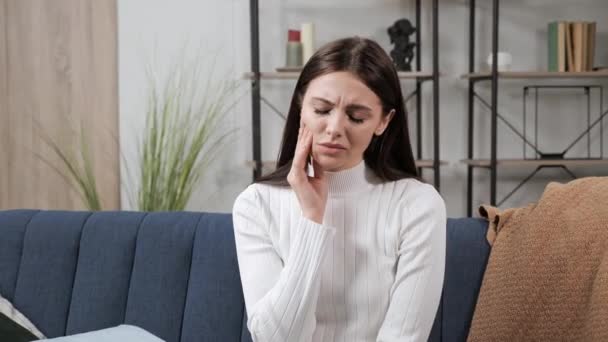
156	31
146	26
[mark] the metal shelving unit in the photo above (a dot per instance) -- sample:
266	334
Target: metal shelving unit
418	76
493	76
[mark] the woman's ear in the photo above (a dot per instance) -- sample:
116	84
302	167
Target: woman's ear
386	119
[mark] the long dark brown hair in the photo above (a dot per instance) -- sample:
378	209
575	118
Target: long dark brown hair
388	155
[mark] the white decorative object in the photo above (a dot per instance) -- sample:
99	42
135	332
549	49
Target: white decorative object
504	61
8	310
123	332
308	41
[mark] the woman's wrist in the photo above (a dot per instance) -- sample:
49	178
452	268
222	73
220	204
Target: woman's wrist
315	217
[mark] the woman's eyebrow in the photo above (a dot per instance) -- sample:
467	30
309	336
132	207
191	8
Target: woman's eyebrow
359	107
352	106
323	100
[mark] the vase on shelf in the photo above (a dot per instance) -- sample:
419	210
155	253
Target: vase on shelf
293	56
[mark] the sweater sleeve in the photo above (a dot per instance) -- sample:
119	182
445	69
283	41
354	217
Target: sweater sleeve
416	291
280	295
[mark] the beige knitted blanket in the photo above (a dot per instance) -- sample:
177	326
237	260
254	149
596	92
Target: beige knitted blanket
547	274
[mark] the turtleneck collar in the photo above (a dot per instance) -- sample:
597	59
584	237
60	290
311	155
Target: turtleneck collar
355	179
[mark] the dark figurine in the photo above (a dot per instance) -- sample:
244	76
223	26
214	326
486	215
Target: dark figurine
403	52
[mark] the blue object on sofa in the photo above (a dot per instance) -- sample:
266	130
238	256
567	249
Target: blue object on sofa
172	274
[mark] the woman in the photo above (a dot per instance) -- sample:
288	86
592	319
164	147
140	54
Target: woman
355	252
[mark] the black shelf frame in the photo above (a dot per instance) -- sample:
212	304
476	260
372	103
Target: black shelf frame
493	77
256	98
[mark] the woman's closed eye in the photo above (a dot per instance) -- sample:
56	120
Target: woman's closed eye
322	111
355	120
326	111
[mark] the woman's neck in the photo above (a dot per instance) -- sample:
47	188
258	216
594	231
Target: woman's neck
351	180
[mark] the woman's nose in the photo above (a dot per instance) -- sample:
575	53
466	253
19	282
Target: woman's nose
335	124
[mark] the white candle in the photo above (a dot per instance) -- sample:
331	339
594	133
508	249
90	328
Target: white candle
308	41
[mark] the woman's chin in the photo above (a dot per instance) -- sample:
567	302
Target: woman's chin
329	163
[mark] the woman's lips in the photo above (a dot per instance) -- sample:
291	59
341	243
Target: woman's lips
331	148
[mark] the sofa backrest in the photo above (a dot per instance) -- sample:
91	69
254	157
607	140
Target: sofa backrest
467	253
173	274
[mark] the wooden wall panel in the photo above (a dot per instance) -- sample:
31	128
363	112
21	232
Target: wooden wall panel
62	79
4	125
99	77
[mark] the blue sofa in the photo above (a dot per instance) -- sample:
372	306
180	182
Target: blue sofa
173	274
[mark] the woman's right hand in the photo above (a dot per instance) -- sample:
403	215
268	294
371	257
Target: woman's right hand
310	191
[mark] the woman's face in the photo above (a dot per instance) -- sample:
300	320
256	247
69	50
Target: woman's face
342	111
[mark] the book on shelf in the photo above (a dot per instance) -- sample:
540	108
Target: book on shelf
577	45
571	46
569	51
591	48
552	46
561	46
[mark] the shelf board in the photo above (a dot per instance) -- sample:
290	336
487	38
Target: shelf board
293	75
538	74
423	163
535	162
428	163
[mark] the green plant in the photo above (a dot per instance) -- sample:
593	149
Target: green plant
77	166
182	134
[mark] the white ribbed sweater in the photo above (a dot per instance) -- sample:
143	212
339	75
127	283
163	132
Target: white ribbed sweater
373	271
